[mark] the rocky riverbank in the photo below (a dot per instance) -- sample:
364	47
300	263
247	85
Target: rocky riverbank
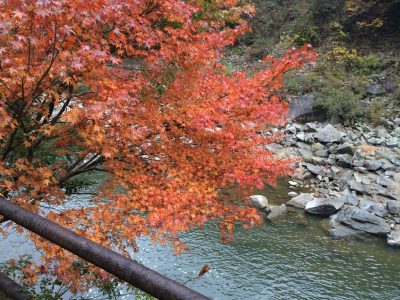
354	173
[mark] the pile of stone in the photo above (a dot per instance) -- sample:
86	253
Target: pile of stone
355	173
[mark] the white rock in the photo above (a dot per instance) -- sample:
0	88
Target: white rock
301	200
259	201
393	238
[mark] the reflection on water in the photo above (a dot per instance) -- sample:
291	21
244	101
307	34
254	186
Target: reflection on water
291	259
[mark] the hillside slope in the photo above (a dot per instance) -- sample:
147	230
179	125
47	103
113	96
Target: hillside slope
359	49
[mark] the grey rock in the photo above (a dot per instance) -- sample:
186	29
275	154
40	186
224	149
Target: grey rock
349	199
393	238
384	181
310	127
300	136
390	173
372	141
259	201
358	163
395	160
358	177
390	193
317	146
396	121
346	177
344	160
306	154
324	207
322	153
378	209
273	147
357	186
345	148
333	148
276	211
352	136
390	84
301	200
365	180
318	161
335	169
314	169
301	107
291	129
375	89
329	134
330	174
360	169
304	146
393	207
387	165
392	143
289	141
339	230
292	194
360	219
374	165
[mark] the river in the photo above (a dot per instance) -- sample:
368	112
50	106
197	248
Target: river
293	258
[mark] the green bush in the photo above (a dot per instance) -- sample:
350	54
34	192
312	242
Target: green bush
374	113
367	65
306	35
340	102
298	83
339	92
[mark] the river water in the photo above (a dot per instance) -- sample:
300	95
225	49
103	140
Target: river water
293	258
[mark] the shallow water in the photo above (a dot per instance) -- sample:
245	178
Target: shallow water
290	259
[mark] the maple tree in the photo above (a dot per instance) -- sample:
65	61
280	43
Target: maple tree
135	89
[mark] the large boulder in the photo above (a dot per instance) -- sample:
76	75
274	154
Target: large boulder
301	107
329	134
339	230
363	220
259	201
301	200
393	238
375	89
324	207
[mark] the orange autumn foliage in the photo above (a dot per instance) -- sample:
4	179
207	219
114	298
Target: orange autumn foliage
135	89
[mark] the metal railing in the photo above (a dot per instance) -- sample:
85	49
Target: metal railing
12	289
128	270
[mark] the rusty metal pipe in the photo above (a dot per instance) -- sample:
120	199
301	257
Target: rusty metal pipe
12	289
128	270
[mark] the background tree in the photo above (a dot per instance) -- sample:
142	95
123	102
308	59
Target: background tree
134	89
